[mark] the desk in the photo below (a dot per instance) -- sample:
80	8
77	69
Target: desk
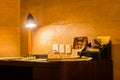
67	70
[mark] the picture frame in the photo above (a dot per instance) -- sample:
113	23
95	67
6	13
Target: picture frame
80	42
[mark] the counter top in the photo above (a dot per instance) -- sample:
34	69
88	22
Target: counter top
15	69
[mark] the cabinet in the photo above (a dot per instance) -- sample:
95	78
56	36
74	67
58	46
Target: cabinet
47	72
69	70
92	70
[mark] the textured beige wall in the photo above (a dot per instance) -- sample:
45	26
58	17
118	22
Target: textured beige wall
9	28
59	21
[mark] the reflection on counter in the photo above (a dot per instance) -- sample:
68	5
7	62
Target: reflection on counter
34	59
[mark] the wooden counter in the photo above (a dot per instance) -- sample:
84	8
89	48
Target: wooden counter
67	70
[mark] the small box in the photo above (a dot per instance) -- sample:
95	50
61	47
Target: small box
55	48
61	48
68	48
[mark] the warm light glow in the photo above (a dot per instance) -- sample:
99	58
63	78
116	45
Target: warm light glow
30	25
46	35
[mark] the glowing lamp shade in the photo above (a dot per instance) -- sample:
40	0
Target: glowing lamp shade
30	23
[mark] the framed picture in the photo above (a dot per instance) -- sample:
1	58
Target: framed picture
80	42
